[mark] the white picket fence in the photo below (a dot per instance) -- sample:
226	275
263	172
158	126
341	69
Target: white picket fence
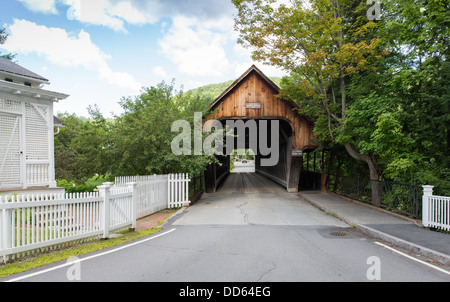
39	222
157	192
178	190
150	191
435	210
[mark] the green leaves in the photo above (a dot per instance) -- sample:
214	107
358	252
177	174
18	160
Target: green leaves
136	143
142	136
3	38
381	87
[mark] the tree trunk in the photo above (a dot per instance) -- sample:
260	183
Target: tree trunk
373	172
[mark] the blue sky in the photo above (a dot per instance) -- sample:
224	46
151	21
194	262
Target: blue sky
99	51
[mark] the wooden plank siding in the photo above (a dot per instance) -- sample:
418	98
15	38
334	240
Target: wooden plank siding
254	87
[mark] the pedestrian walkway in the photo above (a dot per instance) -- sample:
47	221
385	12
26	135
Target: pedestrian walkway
401	231
154	220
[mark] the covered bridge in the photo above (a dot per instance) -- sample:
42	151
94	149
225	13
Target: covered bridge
254	97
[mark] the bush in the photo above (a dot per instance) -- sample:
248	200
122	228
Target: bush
89	185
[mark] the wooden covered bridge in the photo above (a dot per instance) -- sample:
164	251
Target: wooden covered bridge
254	97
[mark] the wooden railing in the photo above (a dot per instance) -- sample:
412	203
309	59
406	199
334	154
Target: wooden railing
37	173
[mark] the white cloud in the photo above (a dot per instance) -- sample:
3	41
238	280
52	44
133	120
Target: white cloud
130	13
197	47
246	54
62	49
41	6
160	72
116	13
94	12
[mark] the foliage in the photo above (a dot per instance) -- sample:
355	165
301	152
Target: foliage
80	146
89	185
407	100
136	143
378	88
3	38
141	140
323	43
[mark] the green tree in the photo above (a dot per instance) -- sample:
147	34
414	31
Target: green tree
378	89
401	112
93	145
142	136
323	43
65	154
138	142
3	38
82	146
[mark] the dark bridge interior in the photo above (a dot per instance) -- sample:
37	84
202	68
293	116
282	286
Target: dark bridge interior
281	164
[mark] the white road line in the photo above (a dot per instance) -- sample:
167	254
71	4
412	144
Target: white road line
88	258
412	258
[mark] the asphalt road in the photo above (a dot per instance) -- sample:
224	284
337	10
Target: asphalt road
240	167
251	230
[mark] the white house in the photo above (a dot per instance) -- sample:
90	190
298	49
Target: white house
27	129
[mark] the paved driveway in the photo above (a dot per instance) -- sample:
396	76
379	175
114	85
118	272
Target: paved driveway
252	199
241	234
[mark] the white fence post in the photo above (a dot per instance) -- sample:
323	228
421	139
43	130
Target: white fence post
186	200
132	186
105	209
427	192
5	225
169	178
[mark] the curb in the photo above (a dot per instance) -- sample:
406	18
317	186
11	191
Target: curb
180	211
369	206
412	247
435	255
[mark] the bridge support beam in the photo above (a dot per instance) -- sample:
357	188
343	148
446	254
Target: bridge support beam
293	174
215	174
210	179
293	169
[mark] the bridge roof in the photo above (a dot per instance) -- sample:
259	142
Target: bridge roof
254	96
252	70
276	90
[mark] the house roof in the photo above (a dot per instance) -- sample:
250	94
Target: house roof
57	122
33	92
15	69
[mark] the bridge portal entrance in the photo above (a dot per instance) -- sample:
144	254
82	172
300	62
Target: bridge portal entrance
262	122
